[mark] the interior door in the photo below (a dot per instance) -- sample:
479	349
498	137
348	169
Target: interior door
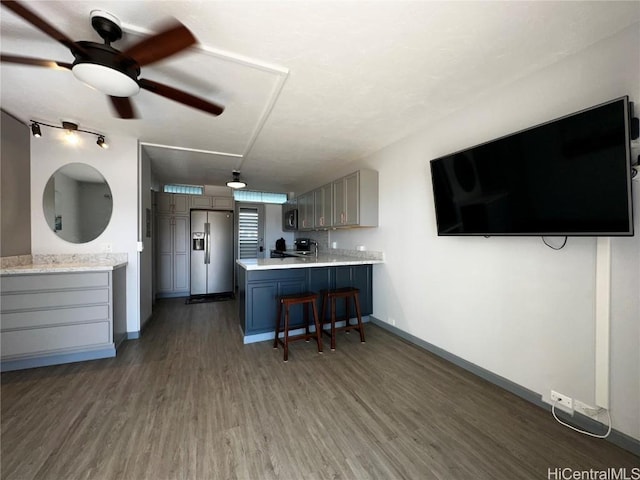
251	231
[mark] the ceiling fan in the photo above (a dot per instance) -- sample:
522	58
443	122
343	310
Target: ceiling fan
115	73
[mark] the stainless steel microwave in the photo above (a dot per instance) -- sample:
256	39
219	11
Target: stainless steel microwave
290	219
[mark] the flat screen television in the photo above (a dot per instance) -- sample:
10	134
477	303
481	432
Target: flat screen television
567	177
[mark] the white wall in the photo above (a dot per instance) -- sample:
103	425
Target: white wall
119	166
15	233
510	305
273	228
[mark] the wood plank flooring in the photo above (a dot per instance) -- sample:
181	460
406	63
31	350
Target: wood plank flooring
190	401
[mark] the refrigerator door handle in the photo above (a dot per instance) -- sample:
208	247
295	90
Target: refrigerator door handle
207	243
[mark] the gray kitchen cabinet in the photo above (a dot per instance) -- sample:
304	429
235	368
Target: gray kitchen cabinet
172	255
355	200
172	203
322	202
209	202
53	318
261	294
258	292
305	211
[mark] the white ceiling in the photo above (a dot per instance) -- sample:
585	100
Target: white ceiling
307	85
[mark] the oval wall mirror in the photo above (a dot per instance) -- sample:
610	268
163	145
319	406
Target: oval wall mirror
77	203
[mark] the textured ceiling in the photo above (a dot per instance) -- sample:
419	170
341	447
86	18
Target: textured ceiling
306	85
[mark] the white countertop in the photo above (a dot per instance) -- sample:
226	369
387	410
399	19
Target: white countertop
62	267
303	262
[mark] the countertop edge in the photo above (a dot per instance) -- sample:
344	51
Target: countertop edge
60	268
304	262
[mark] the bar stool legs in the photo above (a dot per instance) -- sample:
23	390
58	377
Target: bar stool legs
346	293
286	301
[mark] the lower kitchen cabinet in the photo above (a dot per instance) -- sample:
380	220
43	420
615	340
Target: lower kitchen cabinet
53	318
259	291
260	295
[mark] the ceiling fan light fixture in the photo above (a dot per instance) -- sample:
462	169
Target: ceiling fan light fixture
236	183
35	130
105	79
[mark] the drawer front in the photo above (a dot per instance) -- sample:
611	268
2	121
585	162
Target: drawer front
42	340
34	301
277	274
11	321
53	281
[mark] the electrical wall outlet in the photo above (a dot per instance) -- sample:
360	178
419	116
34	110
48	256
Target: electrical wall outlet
392	321
107	248
586	409
562	399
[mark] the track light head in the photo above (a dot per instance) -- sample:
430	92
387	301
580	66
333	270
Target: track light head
35	130
101	142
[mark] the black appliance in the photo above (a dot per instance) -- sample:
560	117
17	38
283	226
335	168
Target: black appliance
566	177
303	244
290	219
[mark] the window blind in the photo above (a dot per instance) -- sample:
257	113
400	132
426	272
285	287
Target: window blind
248	232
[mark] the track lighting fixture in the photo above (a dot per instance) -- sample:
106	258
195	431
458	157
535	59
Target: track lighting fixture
71	135
236	183
35	130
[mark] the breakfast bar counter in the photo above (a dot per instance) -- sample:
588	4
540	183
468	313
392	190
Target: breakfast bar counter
304	261
262	281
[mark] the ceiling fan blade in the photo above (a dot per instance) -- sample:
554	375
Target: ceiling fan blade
40	23
36	62
180	96
123	107
174	38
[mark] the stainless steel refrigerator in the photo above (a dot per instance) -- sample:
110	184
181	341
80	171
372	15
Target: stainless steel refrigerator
211	252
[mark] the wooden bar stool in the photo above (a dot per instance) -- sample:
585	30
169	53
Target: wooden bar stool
331	296
286	301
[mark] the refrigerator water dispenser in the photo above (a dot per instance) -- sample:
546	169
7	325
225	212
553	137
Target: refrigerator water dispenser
198	241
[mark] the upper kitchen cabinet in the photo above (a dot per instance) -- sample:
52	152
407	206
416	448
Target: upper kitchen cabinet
172	203
322	217
305	211
355	200
208	202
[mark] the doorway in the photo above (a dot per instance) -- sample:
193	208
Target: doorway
250	230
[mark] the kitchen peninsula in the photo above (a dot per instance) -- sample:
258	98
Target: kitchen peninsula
62	308
261	281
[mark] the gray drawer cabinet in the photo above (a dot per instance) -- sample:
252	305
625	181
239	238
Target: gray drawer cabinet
52	318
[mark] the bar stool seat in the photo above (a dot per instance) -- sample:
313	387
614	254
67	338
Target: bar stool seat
284	304
331	296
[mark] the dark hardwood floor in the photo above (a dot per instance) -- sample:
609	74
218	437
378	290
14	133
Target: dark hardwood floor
190	401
